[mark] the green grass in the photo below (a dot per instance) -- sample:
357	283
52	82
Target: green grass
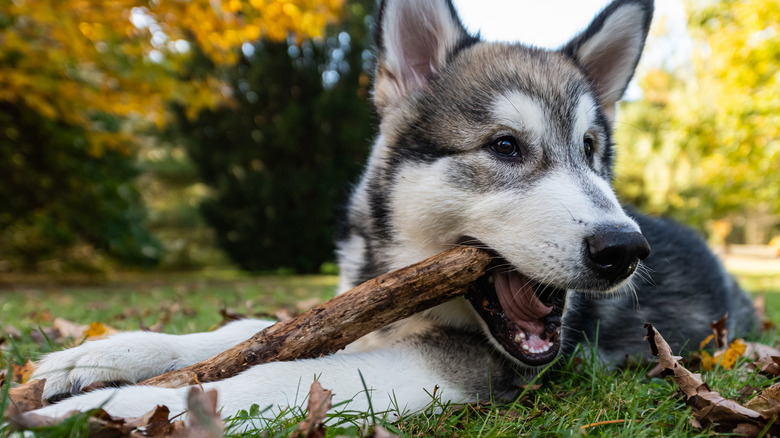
580	393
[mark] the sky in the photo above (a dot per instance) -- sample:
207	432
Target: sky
551	23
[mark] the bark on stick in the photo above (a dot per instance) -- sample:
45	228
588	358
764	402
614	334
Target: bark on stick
333	325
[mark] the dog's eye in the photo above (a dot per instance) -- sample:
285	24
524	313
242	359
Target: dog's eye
505	147
587	143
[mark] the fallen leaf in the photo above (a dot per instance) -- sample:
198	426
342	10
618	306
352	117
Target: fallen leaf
767	402
709	407
757	351
67	330
155	424
22	373
26	397
767	365
320	402
98	330
202	417
720	331
156	328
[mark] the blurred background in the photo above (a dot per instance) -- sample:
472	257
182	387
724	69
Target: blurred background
196	135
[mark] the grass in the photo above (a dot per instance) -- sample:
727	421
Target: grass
582	398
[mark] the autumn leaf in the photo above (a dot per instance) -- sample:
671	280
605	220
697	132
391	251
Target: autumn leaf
26	397
320	402
98	330
709	407
720	332
202	416
22	373
725	359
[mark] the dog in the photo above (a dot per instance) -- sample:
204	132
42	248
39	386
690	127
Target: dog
496	145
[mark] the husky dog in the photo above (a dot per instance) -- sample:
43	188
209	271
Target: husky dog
502	146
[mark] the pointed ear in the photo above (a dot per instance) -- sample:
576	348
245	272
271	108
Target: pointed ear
413	40
609	49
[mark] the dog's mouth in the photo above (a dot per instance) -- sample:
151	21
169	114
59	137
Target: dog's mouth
523	316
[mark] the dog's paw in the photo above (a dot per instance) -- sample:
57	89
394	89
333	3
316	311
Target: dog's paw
122	358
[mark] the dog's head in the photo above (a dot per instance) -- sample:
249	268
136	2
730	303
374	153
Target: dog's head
507	147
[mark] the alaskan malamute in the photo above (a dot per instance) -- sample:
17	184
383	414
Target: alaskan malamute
503	146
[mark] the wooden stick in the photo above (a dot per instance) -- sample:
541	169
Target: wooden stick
340	321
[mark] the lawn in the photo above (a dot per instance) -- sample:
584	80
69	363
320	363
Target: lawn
581	398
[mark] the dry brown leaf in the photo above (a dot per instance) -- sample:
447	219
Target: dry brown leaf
26	397
67	330
154	423
22	373
156	328
767	402
720	332
769	366
203	421
320	402
709	407
757	351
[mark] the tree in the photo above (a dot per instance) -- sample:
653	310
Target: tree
280	161
705	144
78	80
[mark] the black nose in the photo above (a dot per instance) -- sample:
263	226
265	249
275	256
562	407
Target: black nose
614	255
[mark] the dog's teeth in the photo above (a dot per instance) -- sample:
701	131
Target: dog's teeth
519	337
526	347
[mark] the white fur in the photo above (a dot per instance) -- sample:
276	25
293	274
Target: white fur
276	386
418	37
584	118
618	44
523	114
136	356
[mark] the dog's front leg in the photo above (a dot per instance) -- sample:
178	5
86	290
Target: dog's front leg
135	356
390	379
452	366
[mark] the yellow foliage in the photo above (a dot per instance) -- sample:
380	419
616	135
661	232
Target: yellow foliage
725	359
71	59
97	330
711	130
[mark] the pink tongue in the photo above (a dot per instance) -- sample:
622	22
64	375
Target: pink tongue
520	303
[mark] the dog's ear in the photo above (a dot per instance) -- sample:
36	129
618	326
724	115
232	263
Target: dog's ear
609	49
413	40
